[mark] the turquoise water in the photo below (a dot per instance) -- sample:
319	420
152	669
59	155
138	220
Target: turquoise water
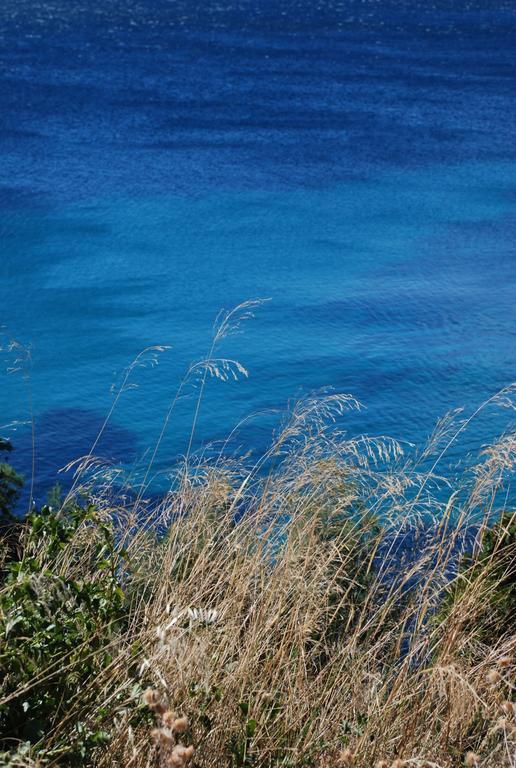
353	165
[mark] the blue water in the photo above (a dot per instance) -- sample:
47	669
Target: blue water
354	161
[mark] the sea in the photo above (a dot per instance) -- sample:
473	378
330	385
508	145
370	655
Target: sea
349	163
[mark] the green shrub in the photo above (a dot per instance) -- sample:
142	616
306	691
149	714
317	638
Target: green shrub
60	620
10	485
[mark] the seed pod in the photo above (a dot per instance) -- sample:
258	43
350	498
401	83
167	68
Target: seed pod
493	677
168	718
346	757
180	725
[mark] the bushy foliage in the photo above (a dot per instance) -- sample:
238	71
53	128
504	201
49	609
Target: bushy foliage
61	611
10	485
295	633
498	546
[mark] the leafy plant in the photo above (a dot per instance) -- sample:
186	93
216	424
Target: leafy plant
59	625
10	485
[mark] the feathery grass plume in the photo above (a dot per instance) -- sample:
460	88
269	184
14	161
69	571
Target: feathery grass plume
331	599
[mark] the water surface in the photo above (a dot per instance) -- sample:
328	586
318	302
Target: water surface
353	161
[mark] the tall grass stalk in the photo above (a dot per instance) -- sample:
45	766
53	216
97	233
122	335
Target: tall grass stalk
313	609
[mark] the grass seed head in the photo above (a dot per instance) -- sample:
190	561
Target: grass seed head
168	718
493	677
346	757
180	725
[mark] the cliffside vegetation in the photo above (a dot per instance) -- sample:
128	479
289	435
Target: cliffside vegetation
339	620
333	601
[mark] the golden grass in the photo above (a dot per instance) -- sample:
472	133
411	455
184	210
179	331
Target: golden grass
302	635
323	643
312	631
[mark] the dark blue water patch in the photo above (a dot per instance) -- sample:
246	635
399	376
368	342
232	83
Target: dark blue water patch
411	311
11	134
398	15
19	198
62	436
274	99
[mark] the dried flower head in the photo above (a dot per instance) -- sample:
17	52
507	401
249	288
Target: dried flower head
162	736
508	708
382	764
151	697
153	700
346	757
471	760
188	752
180	725
168	718
505	661
493	677
176	760
180	756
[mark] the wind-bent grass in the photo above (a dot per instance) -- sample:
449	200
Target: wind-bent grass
311	630
313	609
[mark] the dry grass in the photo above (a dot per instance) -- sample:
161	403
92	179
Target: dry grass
303	629
307	633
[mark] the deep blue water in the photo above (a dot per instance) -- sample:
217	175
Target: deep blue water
354	161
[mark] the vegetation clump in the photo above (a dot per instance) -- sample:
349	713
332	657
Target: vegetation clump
11	483
295	635
331	604
62	614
